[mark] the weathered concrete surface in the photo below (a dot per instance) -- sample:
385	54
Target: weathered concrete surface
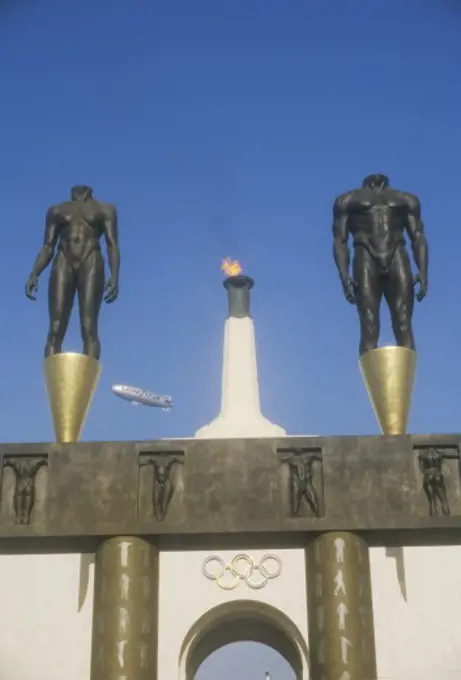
237	488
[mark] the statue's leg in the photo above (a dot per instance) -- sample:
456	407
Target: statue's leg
29	502
61	292
442	494
90	285
293	495
161	503
169	491
427	486
313	500
367	275
17	504
297	497
155	495
400	296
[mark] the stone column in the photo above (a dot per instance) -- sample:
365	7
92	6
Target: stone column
340	609
125	610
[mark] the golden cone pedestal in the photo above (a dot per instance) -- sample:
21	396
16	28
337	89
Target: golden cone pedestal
389	375
70	380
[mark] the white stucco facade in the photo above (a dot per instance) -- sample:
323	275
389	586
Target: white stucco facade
44	635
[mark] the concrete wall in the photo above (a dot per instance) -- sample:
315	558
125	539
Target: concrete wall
43	636
46	607
418	639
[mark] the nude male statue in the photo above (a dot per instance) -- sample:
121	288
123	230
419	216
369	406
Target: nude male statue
75	228
163	487
25	470
301	482
377	217
430	465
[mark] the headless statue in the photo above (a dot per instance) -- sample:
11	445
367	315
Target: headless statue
301	481
377	217
75	228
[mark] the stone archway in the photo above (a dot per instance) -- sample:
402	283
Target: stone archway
239	621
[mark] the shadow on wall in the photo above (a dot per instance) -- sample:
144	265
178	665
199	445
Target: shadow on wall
86	562
398	555
243	621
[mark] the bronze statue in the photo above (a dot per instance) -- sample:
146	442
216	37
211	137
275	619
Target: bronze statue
75	228
301	482
430	465
163	486
25	470
377	217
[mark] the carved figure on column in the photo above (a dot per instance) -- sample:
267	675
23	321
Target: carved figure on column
75	228
431	467
301	467
25	470
163	485
377	217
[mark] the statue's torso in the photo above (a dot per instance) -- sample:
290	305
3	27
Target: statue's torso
81	225
377	221
432	463
304	473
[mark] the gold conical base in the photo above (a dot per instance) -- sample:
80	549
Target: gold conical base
70	383
389	375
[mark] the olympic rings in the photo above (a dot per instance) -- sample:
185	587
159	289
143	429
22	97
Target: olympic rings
242	568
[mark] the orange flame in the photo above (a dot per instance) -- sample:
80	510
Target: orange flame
231	267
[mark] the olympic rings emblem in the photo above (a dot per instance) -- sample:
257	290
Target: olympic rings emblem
242	568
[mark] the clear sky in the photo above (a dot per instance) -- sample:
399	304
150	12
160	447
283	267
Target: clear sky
227	127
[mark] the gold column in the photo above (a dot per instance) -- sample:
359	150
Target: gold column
125	610
340	609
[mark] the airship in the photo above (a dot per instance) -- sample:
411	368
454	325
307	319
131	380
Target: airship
138	397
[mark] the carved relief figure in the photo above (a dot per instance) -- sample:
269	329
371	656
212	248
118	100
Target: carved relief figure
431	467
163	486
301	467
377	217
25	470
75	229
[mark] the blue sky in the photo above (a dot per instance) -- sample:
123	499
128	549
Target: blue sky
227	128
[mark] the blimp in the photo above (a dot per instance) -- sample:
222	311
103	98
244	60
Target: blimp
138	396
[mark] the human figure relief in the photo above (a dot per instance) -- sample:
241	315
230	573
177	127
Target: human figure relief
25	470
339	547
302	487
163	487
340	586
431	466
342	613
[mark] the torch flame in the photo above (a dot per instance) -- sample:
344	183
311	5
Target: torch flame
231	267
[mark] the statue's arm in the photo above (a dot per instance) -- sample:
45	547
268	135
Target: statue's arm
147	461
111	236
37	465
170	464
288	460
415	229
49	243
450	456
341	237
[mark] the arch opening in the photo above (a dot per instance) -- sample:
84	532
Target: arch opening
245	660
243	621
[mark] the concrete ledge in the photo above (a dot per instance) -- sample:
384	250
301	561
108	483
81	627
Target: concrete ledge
234	489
